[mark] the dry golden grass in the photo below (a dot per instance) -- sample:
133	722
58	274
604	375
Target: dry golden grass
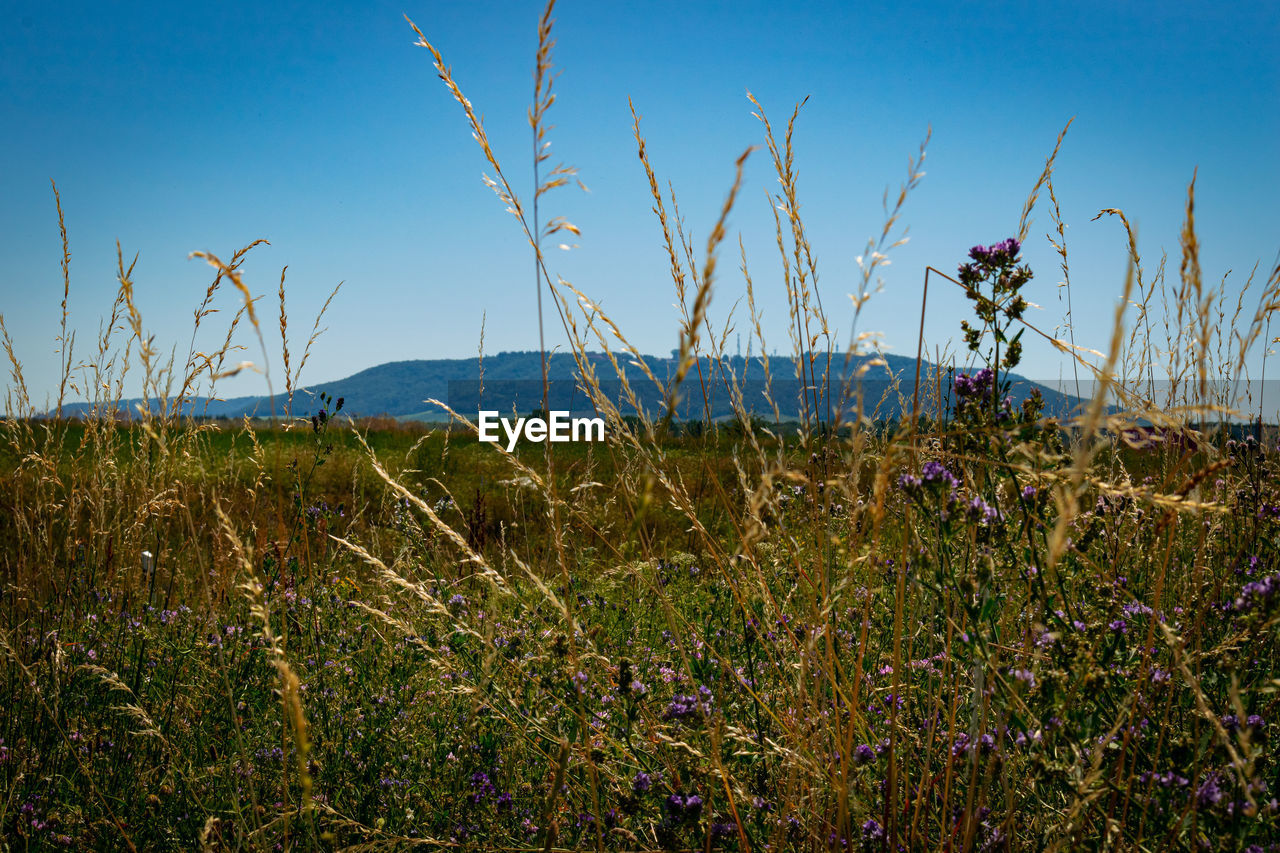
859	643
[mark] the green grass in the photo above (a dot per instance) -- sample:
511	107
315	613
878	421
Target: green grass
986	631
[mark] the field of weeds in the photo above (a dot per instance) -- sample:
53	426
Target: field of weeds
980	629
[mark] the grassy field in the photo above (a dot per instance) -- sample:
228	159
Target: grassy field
988	630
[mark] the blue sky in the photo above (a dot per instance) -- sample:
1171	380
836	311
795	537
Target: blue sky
320	127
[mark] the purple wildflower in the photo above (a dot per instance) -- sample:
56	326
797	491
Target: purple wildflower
977	385
1209	794
481	787
687	708
683	807
1258	595
935	472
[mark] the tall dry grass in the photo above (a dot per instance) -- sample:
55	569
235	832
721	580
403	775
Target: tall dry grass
980	628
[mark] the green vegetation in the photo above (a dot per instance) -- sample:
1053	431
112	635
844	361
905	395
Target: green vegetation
982	628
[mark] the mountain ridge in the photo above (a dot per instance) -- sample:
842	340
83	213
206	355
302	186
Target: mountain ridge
400	389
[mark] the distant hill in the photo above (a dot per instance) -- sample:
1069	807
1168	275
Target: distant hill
513	381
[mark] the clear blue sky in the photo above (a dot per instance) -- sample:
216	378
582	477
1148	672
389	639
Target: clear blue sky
319	126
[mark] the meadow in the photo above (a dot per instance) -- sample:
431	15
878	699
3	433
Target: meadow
979	628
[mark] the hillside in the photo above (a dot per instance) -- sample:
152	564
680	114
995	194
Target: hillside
512	381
